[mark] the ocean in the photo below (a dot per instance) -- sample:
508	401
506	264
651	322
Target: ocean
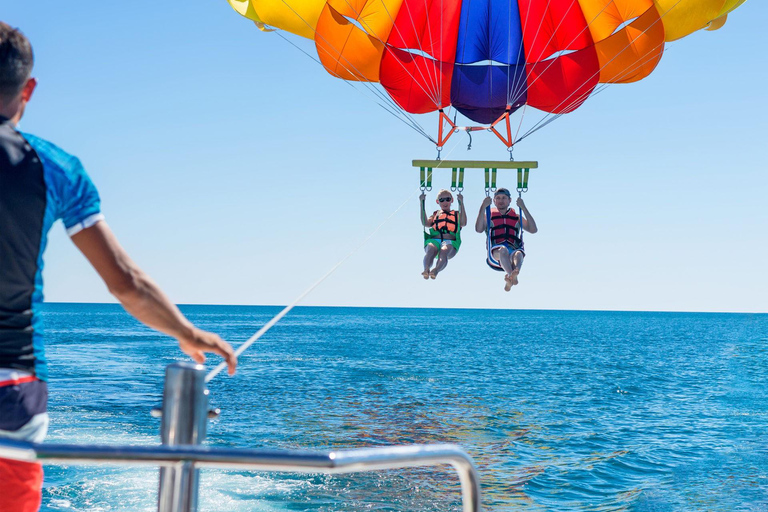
561	410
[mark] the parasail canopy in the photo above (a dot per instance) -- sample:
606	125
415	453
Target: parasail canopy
487	58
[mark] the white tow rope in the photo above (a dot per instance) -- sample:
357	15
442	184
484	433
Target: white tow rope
242	348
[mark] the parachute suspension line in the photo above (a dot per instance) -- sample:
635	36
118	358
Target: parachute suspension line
523	82
409	122
551	38
381	95
442	38
629	69
519	126
372	33
509	141
463	54
432	85
396	112
548	118
582	97
516	89
509	37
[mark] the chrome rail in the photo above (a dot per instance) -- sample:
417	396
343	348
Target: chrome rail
334	462
184	420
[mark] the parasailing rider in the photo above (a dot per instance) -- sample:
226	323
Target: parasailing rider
504	226
444	236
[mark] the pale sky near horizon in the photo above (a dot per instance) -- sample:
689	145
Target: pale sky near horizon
236	171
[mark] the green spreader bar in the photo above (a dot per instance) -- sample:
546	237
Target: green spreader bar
475	164
458	166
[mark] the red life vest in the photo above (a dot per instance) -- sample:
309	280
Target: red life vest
505	227
446	222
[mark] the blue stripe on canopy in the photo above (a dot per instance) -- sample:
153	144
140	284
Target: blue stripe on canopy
489	73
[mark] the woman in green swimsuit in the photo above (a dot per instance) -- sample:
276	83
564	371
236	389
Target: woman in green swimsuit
443	238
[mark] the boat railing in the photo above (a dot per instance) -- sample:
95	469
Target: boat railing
184	419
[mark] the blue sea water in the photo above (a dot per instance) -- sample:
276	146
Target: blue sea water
561	410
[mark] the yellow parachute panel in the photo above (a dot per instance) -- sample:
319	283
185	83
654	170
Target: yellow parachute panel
684	17
730	5
295	16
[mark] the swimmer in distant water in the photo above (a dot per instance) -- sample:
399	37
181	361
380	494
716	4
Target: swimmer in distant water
444	237
40	183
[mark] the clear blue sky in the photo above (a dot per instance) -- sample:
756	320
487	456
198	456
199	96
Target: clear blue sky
236	171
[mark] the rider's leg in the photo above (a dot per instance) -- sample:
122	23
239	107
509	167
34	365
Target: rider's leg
503	257
430	251
447	251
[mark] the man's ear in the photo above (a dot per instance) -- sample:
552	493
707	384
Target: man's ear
29	88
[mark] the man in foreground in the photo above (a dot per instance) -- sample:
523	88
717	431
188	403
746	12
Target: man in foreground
39	184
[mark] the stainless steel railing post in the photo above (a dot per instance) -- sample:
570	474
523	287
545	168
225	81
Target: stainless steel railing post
184	421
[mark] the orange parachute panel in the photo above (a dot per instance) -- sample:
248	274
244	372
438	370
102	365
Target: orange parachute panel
351	35
634	51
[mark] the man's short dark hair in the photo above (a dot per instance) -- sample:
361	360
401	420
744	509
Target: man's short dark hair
16	61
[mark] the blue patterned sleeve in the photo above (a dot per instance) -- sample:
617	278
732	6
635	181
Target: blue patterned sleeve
80	205
74	196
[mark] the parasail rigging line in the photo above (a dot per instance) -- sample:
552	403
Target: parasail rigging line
431	93
354	70
266	327
625	72
434	85
395	112
577	36
370	32
549	117
463	54
513	92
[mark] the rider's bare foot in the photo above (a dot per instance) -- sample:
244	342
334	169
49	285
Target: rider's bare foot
433	274
513	277
507	283
425	274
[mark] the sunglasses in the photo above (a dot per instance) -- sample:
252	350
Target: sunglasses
444	199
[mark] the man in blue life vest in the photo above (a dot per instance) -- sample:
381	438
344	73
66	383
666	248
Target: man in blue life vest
504	226
39	184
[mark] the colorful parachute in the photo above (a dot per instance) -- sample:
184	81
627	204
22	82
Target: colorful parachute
488	57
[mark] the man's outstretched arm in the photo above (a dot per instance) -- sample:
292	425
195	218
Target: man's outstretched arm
143	298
